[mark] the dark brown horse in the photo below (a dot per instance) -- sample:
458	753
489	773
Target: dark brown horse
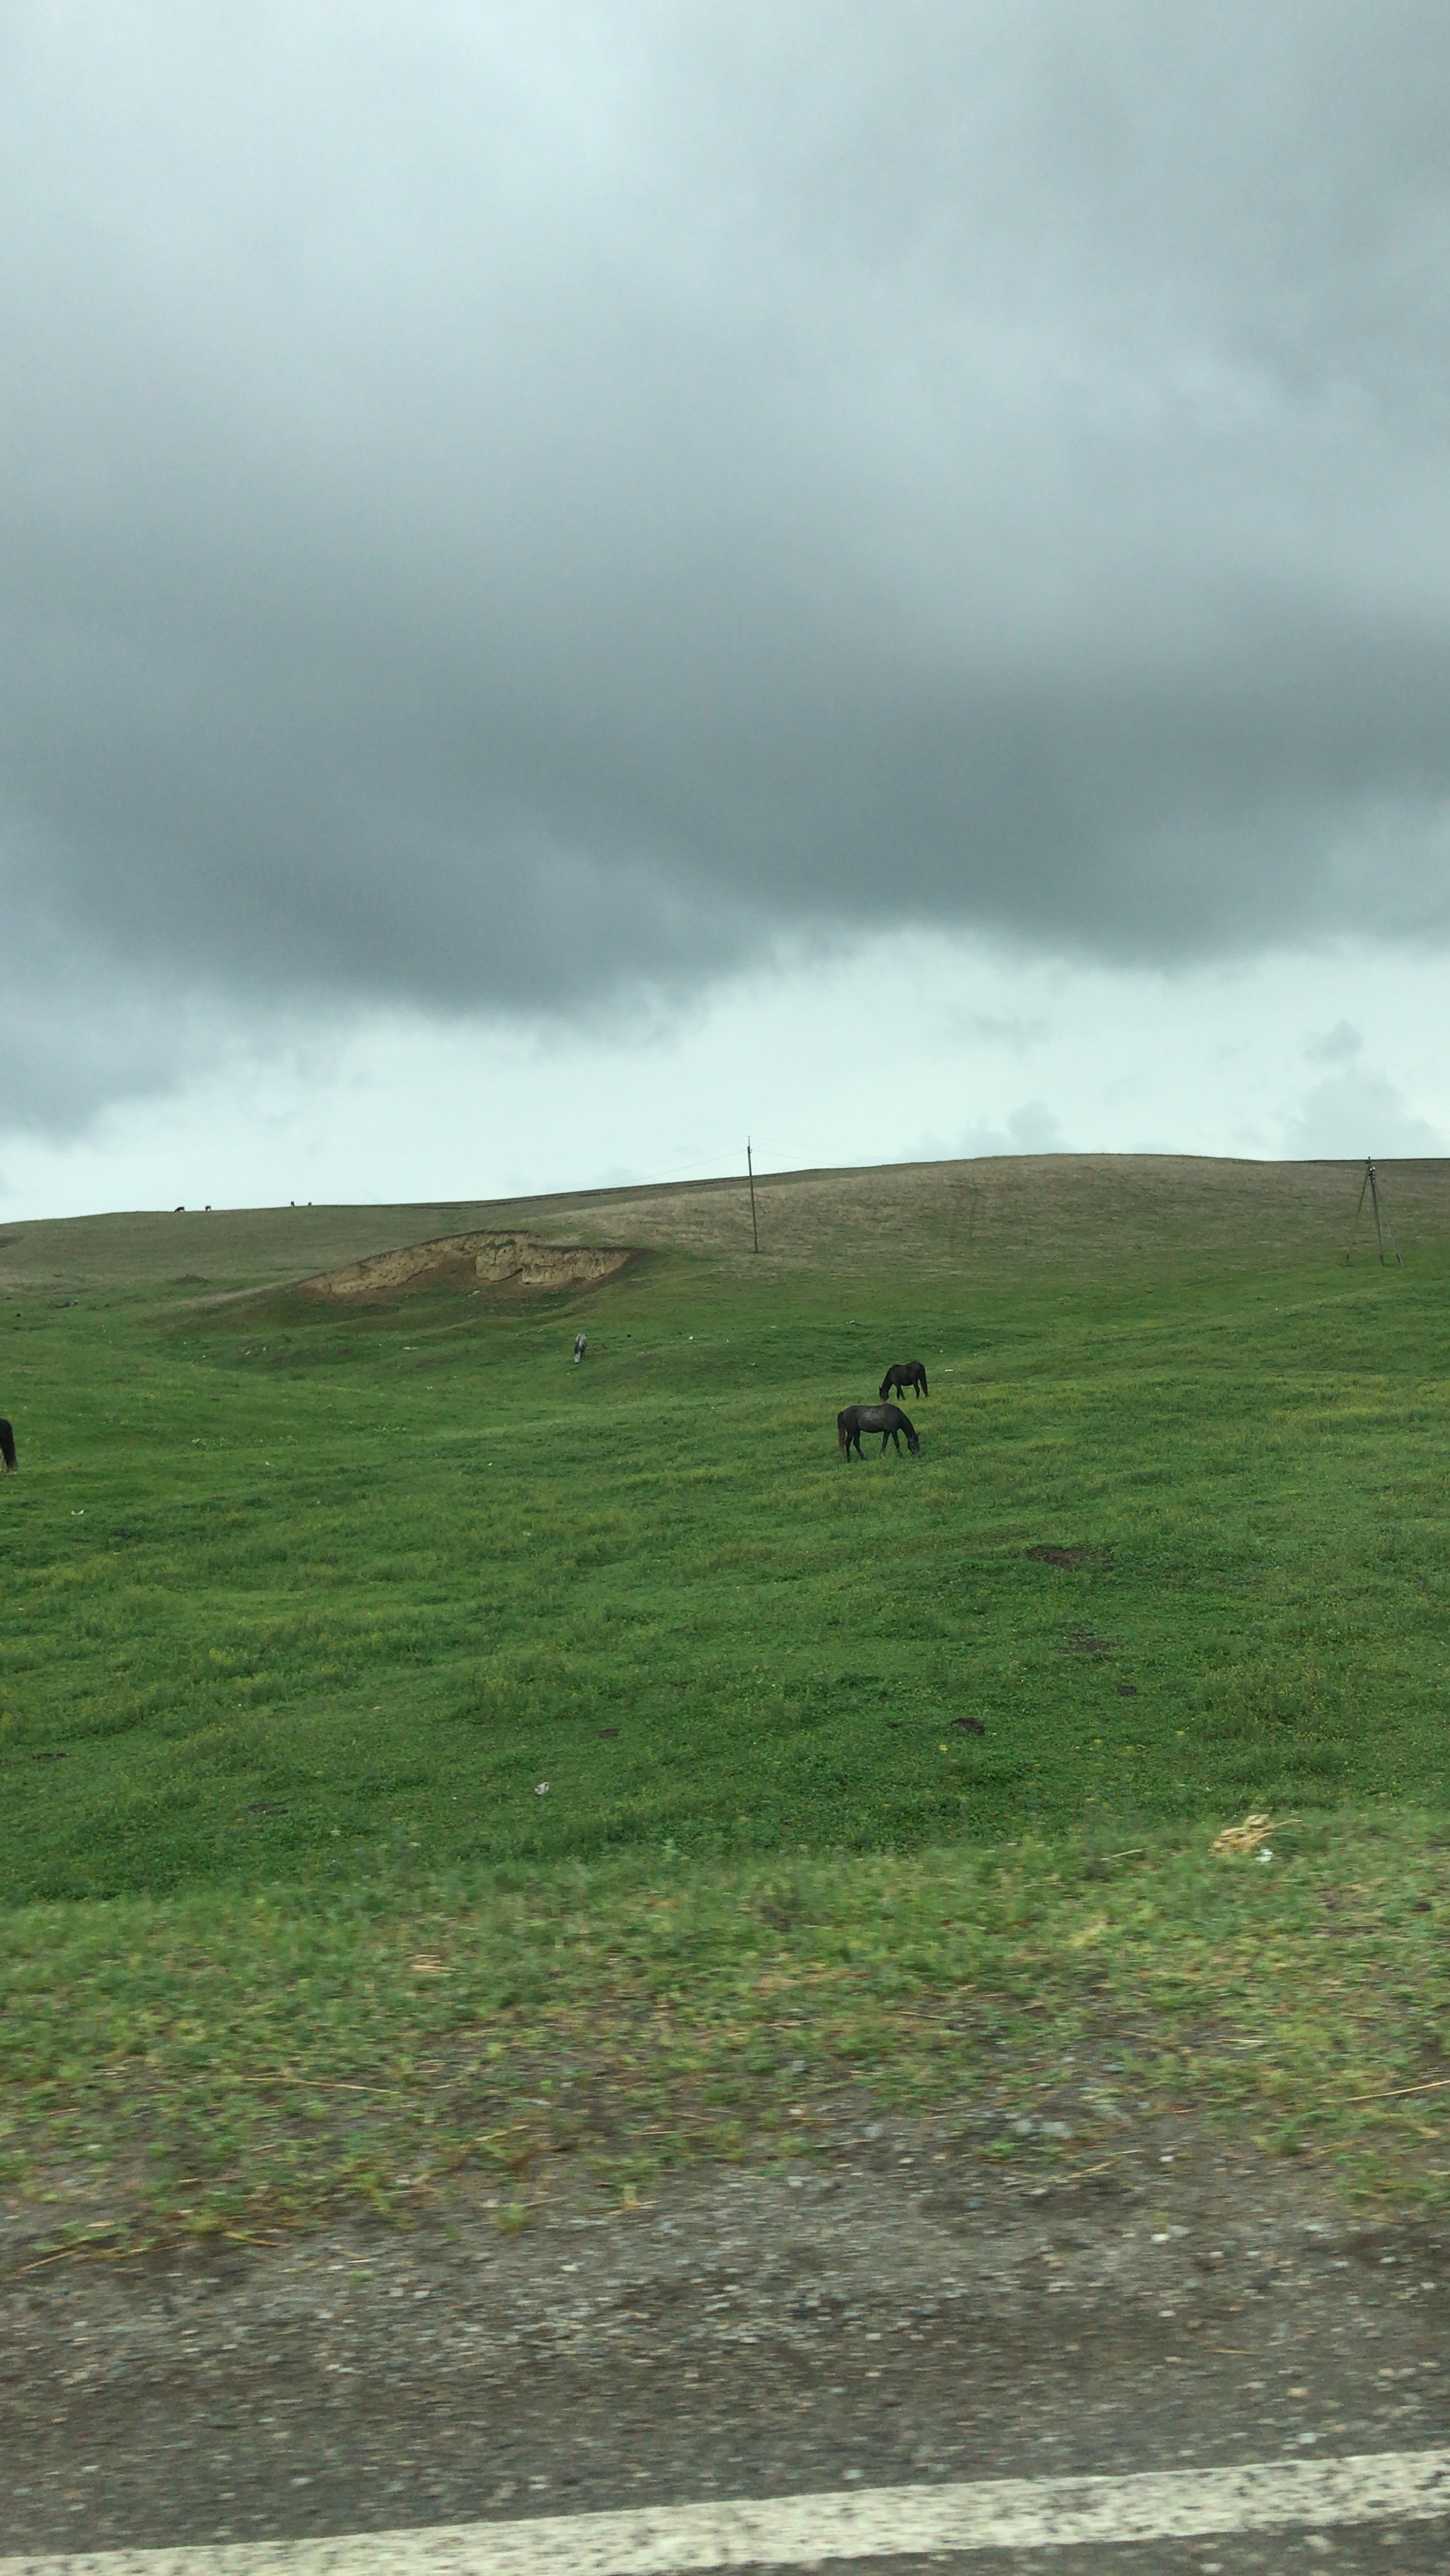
888	1419
7	1448
902	1373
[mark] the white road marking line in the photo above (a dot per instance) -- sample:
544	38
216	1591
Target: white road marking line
803	2531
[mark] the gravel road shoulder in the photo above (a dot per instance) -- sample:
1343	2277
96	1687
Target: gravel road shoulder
898	2310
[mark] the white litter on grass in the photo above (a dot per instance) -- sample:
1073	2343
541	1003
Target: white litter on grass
542	1790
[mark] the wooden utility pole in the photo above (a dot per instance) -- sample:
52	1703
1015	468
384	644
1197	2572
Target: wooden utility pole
750	1168
1382	1225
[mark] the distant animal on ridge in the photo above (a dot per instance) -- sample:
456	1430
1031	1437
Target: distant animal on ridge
888	1419
7	1448
904	1373
581	1345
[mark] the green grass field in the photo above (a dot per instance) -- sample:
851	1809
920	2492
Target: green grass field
306	1604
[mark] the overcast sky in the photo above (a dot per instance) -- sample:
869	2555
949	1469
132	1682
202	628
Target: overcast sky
577	578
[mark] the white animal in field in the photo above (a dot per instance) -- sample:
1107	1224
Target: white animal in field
581	1345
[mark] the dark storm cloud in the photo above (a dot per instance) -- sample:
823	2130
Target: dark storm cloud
499	503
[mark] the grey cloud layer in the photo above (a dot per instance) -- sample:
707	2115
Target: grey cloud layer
501	502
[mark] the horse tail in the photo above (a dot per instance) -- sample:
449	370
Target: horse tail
840	1431
7	1446
921	1379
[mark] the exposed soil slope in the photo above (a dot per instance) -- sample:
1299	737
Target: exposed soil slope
469	1260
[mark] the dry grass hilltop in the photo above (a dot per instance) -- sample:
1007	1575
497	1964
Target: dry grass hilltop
994	1212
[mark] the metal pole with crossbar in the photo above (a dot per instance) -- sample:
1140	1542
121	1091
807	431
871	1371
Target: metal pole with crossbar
1382	1225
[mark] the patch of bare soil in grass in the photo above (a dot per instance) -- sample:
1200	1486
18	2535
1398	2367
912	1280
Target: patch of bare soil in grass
517	1261
1071	1558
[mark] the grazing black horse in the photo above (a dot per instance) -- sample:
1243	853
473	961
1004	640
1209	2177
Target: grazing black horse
902	1373
7	1448
888	1419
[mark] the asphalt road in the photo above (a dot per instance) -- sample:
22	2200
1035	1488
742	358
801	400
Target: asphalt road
903	2313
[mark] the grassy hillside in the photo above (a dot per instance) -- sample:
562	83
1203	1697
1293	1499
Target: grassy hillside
301	1586
311	1603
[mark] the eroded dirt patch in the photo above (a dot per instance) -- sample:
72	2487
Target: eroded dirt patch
518	1261
1070	1557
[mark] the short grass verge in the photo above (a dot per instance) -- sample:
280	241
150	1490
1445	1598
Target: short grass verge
246	2063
